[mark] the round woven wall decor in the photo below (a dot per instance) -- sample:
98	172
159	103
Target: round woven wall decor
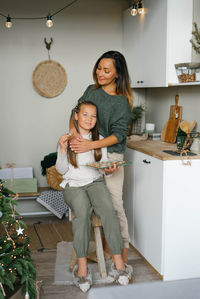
49	78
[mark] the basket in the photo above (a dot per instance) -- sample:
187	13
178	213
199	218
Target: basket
49	78
54	178
186	72
186	78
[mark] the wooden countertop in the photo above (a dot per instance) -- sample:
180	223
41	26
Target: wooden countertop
155	149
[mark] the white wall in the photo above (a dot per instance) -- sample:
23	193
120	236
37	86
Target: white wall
31	124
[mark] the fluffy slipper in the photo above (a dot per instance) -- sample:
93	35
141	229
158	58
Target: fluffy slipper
82	282
122	276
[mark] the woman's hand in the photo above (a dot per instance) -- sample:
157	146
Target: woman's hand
110	169
80	145
63	142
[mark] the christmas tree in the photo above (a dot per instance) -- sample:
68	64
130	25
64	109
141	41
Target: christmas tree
16	265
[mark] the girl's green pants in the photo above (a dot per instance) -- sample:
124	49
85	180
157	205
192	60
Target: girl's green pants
83	201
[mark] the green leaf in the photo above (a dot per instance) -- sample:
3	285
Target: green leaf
137	112
1	295
19	268
24	263
9	283
22	223
32	268
23	279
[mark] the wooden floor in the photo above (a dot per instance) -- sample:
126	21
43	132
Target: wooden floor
45	263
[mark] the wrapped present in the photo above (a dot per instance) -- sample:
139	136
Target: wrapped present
22	185
18	173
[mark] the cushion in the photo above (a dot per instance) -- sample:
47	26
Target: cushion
53	200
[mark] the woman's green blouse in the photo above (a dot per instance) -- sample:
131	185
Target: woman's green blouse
113	115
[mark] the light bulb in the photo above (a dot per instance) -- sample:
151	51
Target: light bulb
134	10
49	22
8	22
141	11
140	8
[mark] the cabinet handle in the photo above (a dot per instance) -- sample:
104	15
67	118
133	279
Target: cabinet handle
140	81
146	161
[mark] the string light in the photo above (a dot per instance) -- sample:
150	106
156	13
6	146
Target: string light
140	8
137	8
48	18
134	10
8	22
49	22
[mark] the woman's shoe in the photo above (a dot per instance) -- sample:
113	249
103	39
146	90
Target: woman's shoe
122	276
82	282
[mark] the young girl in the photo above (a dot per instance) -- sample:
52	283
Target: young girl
85	191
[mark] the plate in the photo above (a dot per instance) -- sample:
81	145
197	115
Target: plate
103	165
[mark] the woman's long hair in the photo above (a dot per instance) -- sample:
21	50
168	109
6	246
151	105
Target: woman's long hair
71	155
123	79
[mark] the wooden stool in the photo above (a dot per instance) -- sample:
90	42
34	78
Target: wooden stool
96	224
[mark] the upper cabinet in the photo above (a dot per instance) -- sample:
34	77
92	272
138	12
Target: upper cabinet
155	41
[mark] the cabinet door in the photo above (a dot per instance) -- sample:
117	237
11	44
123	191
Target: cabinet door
154	42
182	220
144	44
145	206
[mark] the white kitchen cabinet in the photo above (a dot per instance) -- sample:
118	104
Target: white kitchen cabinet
162	204
155	41
143	205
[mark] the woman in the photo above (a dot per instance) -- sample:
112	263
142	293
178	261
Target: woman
113	97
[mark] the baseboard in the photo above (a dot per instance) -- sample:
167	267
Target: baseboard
157	273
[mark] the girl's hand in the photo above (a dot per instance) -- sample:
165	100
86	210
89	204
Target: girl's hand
80	145
63	141
110	169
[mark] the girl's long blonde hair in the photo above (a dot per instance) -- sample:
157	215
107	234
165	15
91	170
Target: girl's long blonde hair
71	155
123	80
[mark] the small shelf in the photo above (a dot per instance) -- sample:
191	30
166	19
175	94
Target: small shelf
184	84
35	214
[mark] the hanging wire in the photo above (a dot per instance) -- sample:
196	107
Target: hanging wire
55	13
39	18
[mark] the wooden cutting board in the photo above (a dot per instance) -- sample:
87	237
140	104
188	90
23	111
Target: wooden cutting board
169	130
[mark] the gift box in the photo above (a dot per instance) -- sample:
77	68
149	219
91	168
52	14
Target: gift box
18	173
22	185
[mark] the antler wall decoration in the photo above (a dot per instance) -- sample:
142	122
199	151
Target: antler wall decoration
48	45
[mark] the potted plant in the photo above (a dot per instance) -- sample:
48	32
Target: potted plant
136	120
